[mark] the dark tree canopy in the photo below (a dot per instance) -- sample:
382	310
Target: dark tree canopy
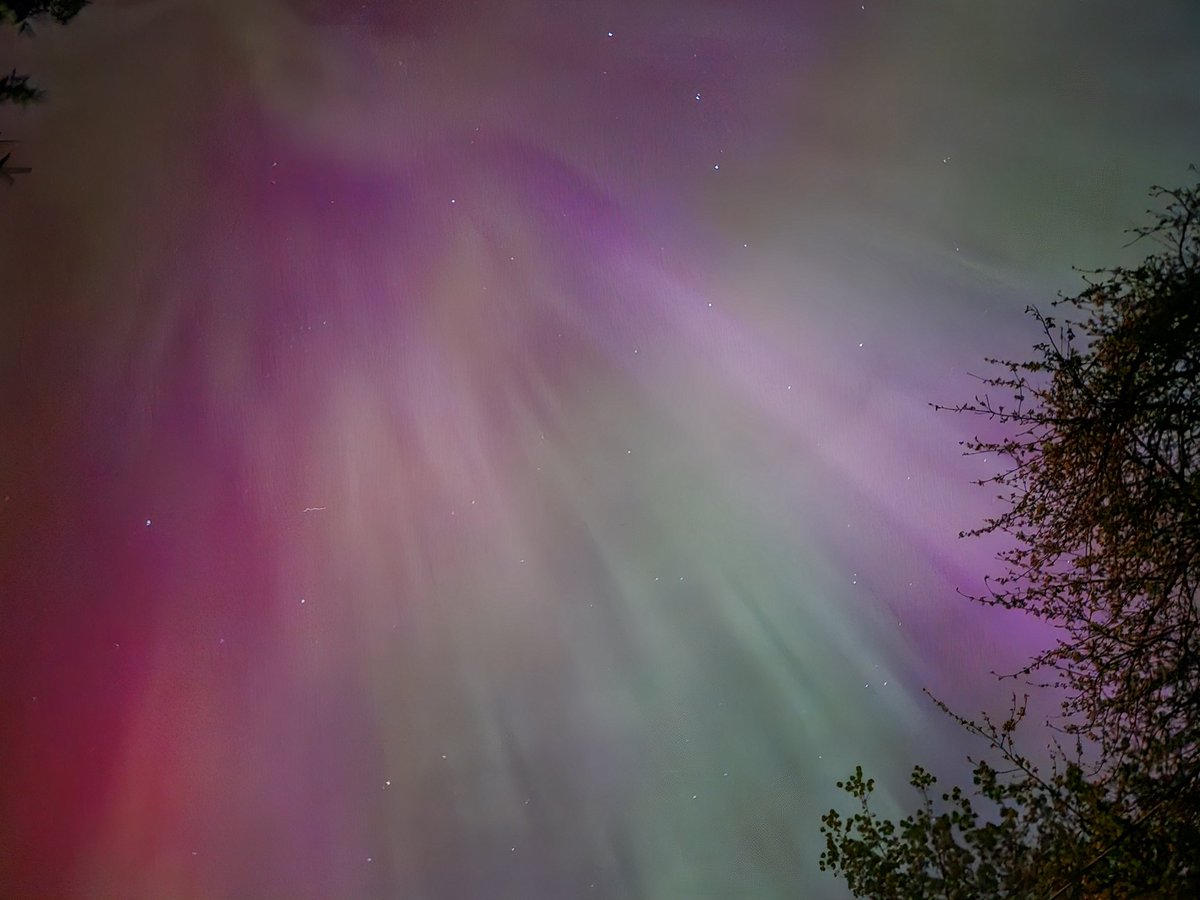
23	13
15	87
1104	502
1102	511
1027	834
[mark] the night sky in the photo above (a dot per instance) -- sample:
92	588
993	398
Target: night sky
482	450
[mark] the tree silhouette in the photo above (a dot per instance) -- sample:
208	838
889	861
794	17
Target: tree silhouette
15	87
24	13
1103	514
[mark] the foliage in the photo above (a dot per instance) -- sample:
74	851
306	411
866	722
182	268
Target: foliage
15	87
1062	836
1102	508
1104	502
23	13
